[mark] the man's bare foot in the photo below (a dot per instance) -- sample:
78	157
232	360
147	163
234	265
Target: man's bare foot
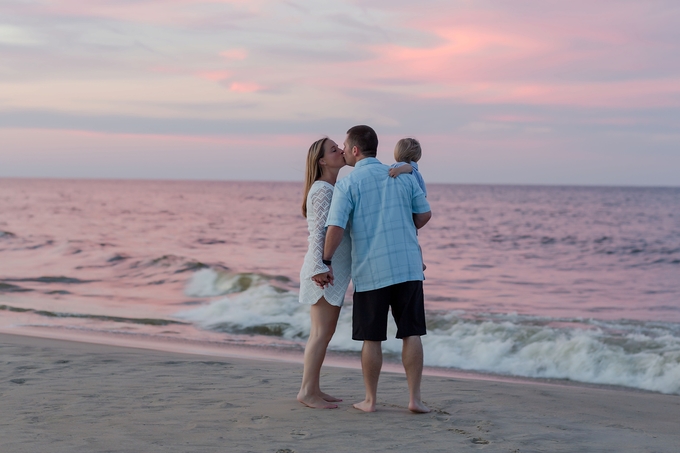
315	402
330	398
365	406
418	407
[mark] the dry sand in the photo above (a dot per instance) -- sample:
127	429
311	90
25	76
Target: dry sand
63	396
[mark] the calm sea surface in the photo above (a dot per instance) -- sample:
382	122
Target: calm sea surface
573	283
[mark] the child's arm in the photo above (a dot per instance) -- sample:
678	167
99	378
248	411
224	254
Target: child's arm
401	169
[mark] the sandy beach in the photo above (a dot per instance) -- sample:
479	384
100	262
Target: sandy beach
65	396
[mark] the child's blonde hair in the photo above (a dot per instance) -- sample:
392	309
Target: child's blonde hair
407	150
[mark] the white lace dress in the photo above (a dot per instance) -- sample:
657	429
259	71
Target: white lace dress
318	204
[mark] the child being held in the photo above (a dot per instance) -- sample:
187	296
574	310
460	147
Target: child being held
407	153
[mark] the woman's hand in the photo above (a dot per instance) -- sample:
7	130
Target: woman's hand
325	278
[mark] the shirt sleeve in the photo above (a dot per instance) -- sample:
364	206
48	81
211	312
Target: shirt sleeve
421	182
341	207
321	200
419	203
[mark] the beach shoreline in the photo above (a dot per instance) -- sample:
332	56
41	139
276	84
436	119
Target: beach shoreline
59	395
274	353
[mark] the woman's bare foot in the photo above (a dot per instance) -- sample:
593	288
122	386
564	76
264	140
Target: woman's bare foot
330	398
365	406
315	402
418	407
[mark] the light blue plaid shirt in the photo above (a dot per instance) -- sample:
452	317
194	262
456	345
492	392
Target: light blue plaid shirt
379	213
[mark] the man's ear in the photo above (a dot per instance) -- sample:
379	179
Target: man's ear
355	151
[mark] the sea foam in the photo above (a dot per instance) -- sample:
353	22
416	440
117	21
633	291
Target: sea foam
210	282
632	354
601	356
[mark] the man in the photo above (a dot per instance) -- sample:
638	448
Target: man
387	270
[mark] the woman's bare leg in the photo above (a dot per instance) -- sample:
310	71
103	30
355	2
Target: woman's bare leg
324	320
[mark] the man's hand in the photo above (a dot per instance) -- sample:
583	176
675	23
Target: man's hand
324	279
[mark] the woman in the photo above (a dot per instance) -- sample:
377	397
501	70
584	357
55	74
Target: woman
324	161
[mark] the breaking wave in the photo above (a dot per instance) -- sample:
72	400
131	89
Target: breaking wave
644	355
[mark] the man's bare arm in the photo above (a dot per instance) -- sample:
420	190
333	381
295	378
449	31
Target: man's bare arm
419	219
333	238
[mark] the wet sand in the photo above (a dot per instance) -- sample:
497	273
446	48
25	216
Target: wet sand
65	396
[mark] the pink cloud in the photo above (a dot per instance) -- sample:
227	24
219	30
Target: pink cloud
458	47
293	140
558	54
168	70
214	76
160	12
245	87
235	54
629	93
502	56
515	118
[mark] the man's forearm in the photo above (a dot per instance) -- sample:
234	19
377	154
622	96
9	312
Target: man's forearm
420	221
333	238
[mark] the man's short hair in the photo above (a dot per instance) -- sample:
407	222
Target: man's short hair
364	138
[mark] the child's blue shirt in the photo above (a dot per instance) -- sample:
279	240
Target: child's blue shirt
416	174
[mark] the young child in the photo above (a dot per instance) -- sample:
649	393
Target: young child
407	152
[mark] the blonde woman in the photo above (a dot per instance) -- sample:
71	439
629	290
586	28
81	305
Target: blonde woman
324	161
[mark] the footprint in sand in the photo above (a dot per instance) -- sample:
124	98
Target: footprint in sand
299	434
260	419
228	406
26	367
484	426
479	441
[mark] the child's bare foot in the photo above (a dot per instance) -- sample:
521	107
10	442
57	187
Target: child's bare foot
315	402
365	406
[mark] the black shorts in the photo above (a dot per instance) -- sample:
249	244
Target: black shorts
369	314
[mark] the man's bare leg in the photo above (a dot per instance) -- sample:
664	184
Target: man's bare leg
412	358
371	363
324	320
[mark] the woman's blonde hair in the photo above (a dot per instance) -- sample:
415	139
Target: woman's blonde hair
312	170
407	150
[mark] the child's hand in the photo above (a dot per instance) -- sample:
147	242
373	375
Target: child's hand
394	172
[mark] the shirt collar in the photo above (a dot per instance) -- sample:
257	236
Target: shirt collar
414	165
366	161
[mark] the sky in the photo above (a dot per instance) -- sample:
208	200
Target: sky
502	92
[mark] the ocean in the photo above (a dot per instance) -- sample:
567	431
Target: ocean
567	283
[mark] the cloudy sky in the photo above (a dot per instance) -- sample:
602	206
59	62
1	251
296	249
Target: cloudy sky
521	92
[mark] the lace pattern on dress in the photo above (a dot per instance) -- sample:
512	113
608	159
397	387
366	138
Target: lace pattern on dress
320	205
